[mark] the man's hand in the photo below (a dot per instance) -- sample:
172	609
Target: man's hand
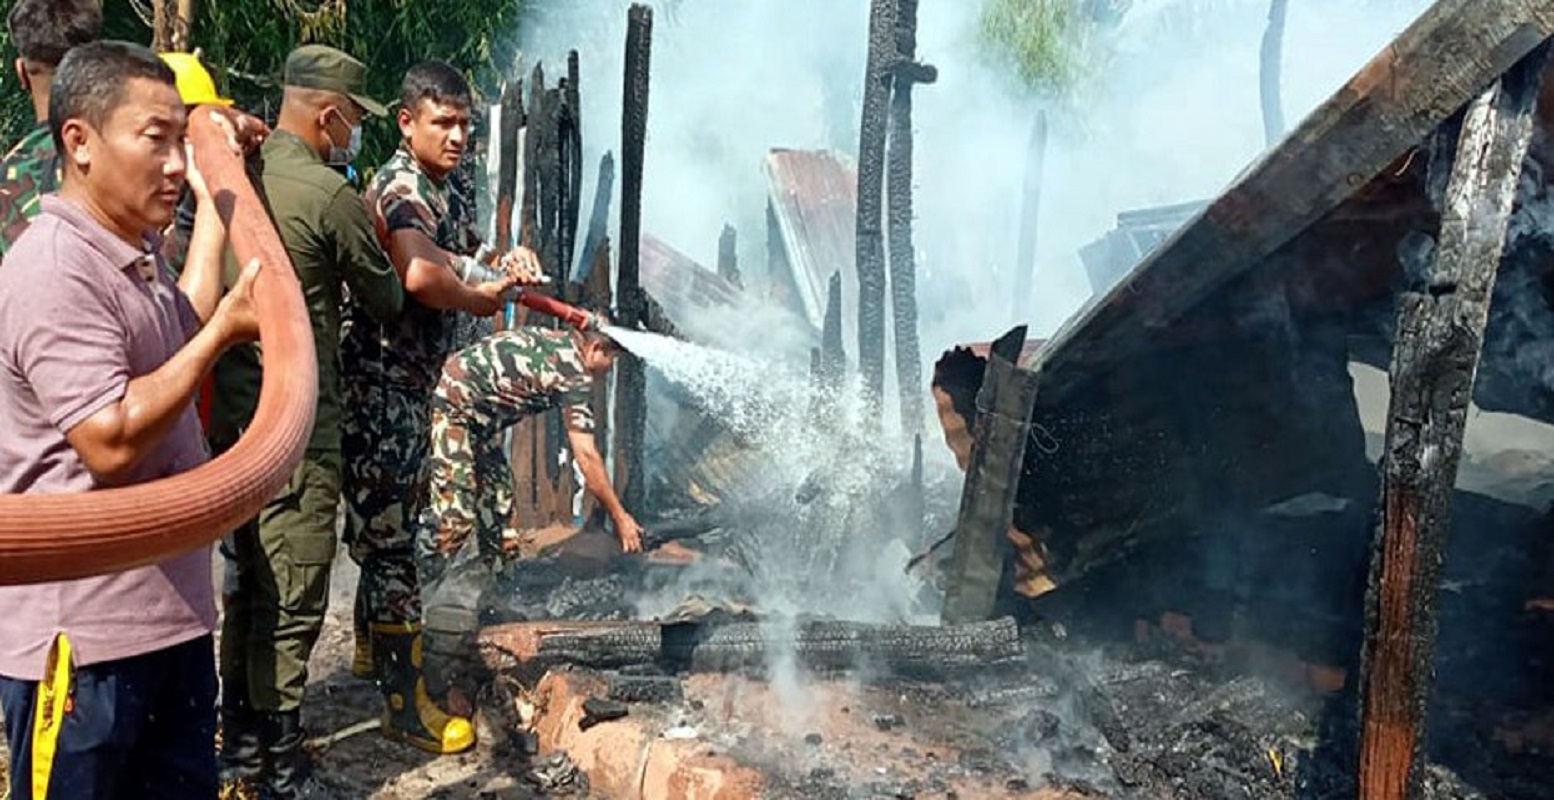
489	296
524	266
629	531
245	132
236	313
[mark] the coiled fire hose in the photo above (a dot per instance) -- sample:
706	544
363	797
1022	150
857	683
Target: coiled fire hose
51	537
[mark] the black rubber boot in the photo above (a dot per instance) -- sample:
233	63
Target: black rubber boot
242	755
290	765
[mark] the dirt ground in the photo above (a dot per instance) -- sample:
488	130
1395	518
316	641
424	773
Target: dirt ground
366	765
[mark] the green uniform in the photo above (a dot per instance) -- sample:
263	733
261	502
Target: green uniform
391	371
283	557
485	389
28	172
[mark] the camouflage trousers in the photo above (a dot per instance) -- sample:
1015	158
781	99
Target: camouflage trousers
469	489
383	438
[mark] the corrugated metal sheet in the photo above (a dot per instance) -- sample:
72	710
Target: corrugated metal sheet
814	199
679	284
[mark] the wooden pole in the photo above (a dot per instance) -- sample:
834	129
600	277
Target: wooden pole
728	256
631	378
507	161
599	217
870	255
1004	404
1439	336
833	361
1030	216
1272	65
573	160
903	261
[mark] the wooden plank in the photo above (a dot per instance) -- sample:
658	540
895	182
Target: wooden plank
728	256
1005	402
1440	335
508	161
630	374
1432	69
870	257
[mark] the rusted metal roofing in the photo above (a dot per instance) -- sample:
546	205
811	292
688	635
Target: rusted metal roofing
814	203
679	284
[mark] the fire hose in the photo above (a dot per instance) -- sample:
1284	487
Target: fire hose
51	537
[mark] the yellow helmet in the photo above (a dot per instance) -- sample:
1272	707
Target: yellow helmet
195	84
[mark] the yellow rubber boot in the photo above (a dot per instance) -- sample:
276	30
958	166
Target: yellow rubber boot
410	716
361	660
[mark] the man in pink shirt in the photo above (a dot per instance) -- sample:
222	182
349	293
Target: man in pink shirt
100	357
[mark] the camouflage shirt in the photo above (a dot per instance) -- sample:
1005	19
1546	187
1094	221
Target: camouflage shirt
28	172
409	351
513	374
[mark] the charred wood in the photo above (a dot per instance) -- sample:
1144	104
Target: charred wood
903	260
631	377
709	647
507	153
728	257
1435	358
870	258
1004	405
599	218
1030	216
833	354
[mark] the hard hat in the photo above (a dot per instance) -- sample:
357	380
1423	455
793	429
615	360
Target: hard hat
195	84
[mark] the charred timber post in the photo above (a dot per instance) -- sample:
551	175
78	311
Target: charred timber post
833	355
1004	405
575	156
599	217
1434	360
870	255
507	155
631	379
903	266
728	256
1030	215
528	219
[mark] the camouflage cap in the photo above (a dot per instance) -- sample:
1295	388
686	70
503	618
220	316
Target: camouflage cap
316	66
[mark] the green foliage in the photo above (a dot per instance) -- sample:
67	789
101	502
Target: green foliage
245	42
1047	46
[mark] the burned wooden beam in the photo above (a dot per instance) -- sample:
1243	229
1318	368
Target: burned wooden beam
508	161
717	647
631	377
870	258
528	218
1436	65
1030	216
574	158
599	217
1004	405
903	260
833	354
1439	337
728	256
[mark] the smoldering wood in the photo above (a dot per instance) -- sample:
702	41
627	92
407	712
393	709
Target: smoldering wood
574	104
728	256
528	222
1439	338
903	259
1004	405
532	647
870	254
1030	218
1271	58
631	377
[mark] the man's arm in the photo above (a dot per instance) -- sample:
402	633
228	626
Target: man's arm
115	438
201	276
597	479
425	269
365	266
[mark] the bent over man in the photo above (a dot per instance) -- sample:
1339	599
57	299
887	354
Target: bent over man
485	389
100	356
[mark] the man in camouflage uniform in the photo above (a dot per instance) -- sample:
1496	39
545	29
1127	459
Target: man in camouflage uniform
42	31
485	389
390	372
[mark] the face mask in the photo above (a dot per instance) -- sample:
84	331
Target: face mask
340	156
